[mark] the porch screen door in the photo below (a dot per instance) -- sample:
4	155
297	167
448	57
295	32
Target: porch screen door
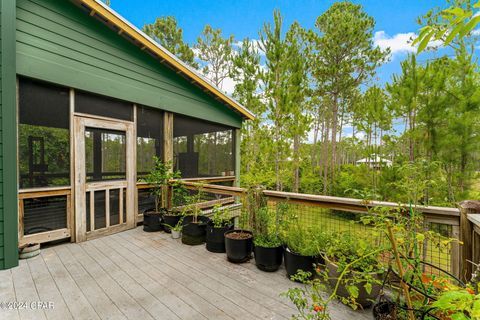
104	177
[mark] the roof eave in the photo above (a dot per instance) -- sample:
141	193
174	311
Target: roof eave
145	41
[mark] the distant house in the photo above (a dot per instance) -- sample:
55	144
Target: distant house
375	162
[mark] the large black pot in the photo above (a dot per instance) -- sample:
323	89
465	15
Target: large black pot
238	250
170	220
364	299
152	221
268	259
216	237
194	233
295	262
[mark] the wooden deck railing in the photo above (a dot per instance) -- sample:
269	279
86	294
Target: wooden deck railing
433	215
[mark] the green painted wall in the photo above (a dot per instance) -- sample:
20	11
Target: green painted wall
58	42
8	145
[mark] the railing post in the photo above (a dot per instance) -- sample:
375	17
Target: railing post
466	235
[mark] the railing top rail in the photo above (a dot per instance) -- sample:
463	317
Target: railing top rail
348	204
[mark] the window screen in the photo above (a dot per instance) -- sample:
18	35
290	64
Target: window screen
90	103
43	135
201	148
44	214
149	138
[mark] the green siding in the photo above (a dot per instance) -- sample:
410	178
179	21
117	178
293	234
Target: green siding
8	148
58	42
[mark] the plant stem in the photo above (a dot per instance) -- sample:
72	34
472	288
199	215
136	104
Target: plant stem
411	315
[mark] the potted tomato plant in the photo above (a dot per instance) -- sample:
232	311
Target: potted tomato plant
194	222
303	248
220	222
268	248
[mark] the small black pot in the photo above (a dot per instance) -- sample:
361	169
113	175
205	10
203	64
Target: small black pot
171	220
152	221
216	237
268	259
238	250
194	233
295	262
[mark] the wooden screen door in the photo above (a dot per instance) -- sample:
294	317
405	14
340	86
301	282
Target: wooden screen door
104	177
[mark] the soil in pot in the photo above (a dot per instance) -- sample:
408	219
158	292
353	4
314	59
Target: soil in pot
238	245
194	233
384	310
295	262
216	237
364	299
170	220
268	259
152	221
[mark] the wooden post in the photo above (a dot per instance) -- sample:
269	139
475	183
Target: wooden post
167	155
466	231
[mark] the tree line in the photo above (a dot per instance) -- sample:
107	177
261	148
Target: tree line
320	106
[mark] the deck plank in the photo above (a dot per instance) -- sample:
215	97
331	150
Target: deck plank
26	291
146	299
47	290
95	294
239	299
76	301
7	294
137	275
116	294
169	280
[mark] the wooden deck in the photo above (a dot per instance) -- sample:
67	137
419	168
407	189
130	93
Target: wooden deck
137	275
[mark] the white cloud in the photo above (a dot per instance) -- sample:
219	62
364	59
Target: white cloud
255	44
398	43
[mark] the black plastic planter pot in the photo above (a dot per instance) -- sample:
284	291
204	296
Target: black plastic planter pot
170	220
194	233
216	238
268	259
364	299
238	245
152	221
295	262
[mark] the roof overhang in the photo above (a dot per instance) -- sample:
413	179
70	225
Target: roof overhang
138	37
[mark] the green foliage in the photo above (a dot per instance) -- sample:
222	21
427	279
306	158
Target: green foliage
460	304
166	31
159	178
221	216
305	240
348	248
215	52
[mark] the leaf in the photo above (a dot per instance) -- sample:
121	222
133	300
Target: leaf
453	34
368	287
455	11
423	44
476	5
353	291
469	26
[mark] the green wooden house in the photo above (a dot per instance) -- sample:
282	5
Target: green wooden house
87	100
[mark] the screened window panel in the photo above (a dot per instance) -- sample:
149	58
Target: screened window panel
105	154
149	138
202	149
43	135
94	104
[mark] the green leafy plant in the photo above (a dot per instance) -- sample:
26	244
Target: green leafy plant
458	304
306	241
191	207
159	178
221	216
177	227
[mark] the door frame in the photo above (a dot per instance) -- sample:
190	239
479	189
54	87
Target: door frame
80	122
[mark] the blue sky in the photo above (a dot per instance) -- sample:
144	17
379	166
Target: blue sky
395	19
